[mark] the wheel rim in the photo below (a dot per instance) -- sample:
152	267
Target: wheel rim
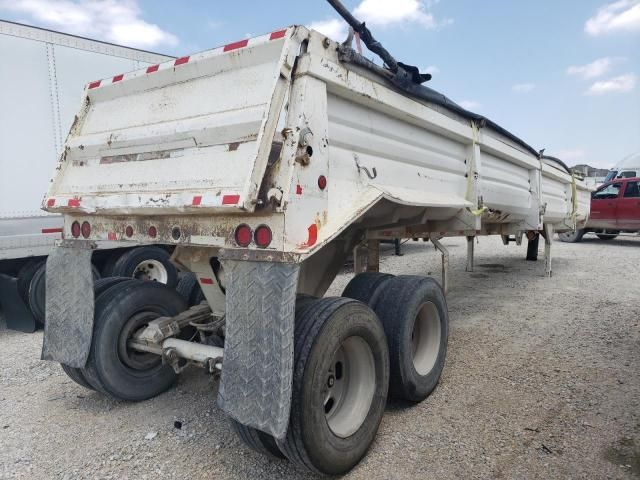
132	358
151	270
425	338
349	387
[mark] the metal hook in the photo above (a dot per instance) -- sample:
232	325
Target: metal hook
366	170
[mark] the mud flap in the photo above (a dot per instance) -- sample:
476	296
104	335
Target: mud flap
258	355
69	308
15	312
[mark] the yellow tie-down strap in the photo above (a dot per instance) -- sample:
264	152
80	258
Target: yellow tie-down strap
574	200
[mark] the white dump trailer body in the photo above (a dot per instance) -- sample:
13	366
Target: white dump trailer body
41	82
266	162
220	138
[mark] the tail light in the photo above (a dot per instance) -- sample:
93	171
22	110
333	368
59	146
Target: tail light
263	236
86	229
243	235
75	229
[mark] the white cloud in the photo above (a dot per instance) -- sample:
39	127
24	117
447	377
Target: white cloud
432	69
523	87
116	21
333	28
619	16
621	84
597	68
384	13
469	104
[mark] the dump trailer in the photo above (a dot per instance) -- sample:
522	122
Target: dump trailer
40	85
265	163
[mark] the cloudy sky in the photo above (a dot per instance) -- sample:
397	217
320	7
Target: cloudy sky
563	75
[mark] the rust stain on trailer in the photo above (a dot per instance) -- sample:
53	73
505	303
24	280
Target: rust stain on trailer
137	157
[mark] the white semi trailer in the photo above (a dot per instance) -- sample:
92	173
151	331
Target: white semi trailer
265	162
42	78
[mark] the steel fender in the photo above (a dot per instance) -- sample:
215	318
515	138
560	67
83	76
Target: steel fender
15	312
69	306
258	355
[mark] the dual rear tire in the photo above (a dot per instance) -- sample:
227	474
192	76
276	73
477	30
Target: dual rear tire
348	358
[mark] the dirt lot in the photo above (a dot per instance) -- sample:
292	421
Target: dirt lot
542	381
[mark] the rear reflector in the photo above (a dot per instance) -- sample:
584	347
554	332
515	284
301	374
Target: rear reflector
51	202
75	229
206	281
73	202
181	61
230	199
51	230
86	229
236	45
243	235
95	84
263	236
277	35
153	68
153	231
128	231
117	78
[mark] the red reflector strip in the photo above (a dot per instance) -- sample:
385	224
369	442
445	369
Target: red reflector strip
117	78
51	202
206	281
312	237
279	34
52	230
95	84
236	45
196	200
153	68
230	199
73	202
181	61
298	190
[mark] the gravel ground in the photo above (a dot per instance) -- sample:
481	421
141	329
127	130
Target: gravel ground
542	381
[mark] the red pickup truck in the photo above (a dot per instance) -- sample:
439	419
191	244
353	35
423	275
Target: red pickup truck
615	208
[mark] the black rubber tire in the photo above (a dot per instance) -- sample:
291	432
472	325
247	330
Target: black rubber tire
398	305
186	282
103	284
606	236
37	294
105	370
100	286
532	248
189	288
109	263
572	237
25	274
366	287
76	375
257	440
303	300
125	265
320	329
